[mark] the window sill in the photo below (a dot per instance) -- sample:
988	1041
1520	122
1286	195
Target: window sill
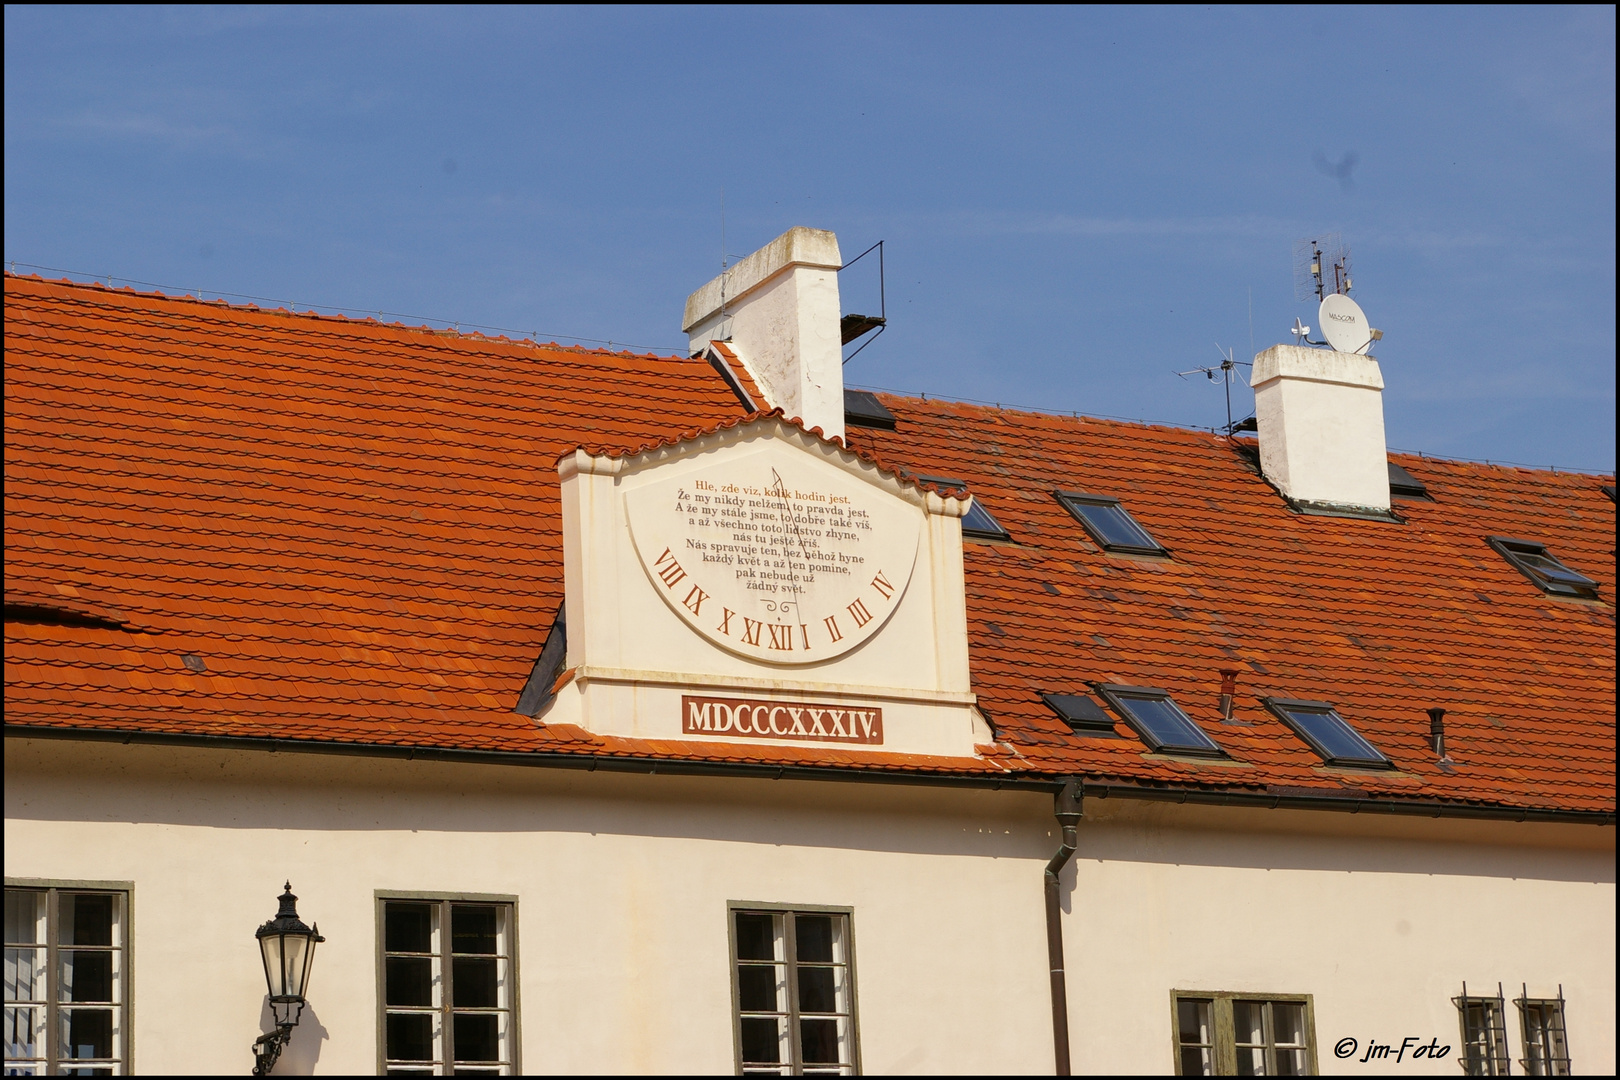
1195	759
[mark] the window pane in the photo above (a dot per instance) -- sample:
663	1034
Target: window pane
1291	1063
756	937
475	985
1552	569
87	976
409	980
472	929
410	1037
1114	525
1197	1061
1167	723
814	938
820	1041
408	927
759	988
818	990
477	1037
1336	737
25	974
1192	1020
978	520
1288	1023
24	1026
86	918
1251	1061
763	1040
25	917
1248	1022
87	1033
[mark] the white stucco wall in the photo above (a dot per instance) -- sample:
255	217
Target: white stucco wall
1379	919
1320	420
622	883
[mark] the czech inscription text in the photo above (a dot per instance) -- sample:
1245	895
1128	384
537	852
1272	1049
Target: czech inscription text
788	572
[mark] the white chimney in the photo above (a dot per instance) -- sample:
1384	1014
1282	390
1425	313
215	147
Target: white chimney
779	310
1320	415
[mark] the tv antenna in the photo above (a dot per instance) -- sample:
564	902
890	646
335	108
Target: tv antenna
1321	267
1228	369
1322	273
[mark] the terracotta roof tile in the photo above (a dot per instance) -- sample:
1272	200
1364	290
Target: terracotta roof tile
356	528
1383	620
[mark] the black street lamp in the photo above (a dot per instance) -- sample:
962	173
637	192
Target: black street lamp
288	948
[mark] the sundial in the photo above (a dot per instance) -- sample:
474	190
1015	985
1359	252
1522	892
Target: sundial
776	555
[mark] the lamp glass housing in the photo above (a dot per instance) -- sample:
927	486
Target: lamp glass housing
287	948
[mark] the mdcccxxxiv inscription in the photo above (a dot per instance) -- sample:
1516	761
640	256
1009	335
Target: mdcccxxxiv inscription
791	721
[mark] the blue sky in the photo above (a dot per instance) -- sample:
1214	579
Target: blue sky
1076	203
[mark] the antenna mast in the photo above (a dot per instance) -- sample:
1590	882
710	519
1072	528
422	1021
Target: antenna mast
1228	368
1321	267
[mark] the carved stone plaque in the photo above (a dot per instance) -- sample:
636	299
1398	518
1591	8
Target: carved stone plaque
776	555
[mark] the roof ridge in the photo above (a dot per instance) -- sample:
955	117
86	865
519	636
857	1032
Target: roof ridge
290	311
985	408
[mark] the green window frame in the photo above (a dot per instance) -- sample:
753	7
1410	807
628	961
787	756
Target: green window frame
1546	1041
793	990
67	1007
1219	1033
428	946
1482	1020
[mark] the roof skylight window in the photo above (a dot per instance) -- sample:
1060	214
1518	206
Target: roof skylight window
1082	714
1160	721
1535	562
1403	485
1319	724
979	522
863	409
1109	523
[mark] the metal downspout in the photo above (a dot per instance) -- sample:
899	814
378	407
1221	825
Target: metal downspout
1066	805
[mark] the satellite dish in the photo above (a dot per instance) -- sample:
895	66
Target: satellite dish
1344	324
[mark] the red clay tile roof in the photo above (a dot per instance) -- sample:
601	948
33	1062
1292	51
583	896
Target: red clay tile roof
353	530
1382	620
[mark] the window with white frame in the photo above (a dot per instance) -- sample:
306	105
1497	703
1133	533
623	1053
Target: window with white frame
67	981
448	975
793	981
1221	1034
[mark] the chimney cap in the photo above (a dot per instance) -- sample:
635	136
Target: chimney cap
799	246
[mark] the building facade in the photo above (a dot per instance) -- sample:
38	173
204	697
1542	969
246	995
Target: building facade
618	713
